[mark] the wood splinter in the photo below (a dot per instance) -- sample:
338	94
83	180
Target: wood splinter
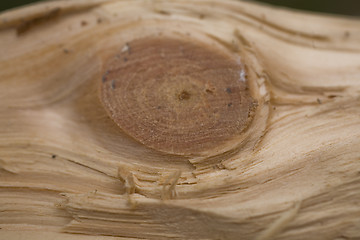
128	179
168	190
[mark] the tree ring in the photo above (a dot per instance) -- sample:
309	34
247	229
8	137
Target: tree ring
177	96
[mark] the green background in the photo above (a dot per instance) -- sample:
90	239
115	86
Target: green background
345	7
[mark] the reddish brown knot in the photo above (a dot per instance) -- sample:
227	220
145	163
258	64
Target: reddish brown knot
176	96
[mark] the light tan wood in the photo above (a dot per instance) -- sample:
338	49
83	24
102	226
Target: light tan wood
66	168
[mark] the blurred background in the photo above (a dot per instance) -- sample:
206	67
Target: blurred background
344	7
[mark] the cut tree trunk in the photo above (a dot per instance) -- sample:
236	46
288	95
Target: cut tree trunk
178	120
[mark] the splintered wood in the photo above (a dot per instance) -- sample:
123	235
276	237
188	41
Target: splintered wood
178	120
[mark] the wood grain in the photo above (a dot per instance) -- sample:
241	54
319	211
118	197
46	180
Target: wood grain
74	161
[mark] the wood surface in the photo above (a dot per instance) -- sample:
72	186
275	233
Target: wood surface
252	131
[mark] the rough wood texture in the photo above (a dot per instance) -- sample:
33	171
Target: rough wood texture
71	164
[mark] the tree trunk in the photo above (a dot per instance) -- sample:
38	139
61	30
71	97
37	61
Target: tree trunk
178	120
